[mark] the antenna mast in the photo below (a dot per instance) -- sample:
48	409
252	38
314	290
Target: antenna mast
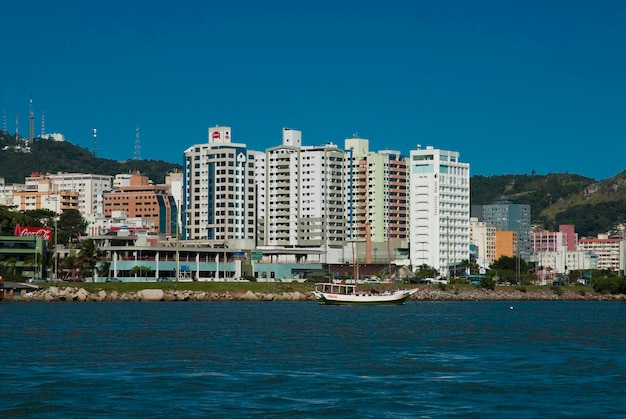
137	144
4	122
95	141
31	117
43	124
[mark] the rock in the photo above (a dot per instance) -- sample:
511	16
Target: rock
150	295
250	296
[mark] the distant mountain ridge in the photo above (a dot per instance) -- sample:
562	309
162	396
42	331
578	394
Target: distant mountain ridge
560	198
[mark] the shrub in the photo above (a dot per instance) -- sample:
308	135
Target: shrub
488	283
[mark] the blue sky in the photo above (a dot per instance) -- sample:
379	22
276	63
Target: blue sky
514	86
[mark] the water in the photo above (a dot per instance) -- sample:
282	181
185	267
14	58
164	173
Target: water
283	359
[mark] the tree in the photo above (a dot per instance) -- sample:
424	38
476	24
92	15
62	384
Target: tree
507	268
426	271
140	270
71	264
70	226
104	267
88	257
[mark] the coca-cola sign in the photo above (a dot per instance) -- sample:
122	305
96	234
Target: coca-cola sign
43	232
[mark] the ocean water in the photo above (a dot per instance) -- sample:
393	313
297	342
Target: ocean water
300	359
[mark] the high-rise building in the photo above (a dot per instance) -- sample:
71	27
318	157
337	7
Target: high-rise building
439	185
301	199
507	216
376	197
219	191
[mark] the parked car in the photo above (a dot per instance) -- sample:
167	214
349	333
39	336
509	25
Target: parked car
238	279
165	279
113	280
372	281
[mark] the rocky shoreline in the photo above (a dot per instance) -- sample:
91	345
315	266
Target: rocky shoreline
428	293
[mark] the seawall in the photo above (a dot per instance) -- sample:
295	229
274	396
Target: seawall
428	293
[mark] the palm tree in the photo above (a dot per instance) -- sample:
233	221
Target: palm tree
89	256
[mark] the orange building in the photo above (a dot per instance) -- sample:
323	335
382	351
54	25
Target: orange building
143	199
506	244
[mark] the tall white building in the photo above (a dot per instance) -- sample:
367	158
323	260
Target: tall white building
219	192
302	196
439	202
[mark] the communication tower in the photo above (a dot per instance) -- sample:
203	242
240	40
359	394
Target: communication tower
95	141
31	117
4	122
43	124
137	144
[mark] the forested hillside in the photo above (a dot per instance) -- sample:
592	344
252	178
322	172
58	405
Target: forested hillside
592	207
48	156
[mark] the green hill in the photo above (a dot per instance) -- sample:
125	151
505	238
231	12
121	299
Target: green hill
48	156
592	207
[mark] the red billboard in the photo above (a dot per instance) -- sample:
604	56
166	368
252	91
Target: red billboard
43	232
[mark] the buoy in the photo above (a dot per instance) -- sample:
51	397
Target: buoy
511	308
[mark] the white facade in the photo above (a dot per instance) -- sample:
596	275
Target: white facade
6	192
439	209
121	180
89	187
562	262
610	251
219	192
302	194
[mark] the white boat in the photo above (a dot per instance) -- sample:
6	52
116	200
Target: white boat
331	293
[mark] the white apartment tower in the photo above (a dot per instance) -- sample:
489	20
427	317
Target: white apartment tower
302	196
218	190
439	209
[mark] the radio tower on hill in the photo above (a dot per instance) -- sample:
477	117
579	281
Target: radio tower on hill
31	117
43	124
95	141
137	144
4	122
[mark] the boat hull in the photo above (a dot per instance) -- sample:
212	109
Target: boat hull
395	298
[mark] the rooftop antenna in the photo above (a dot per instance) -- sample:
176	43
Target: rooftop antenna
137	144
95	141
31	117
43	124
